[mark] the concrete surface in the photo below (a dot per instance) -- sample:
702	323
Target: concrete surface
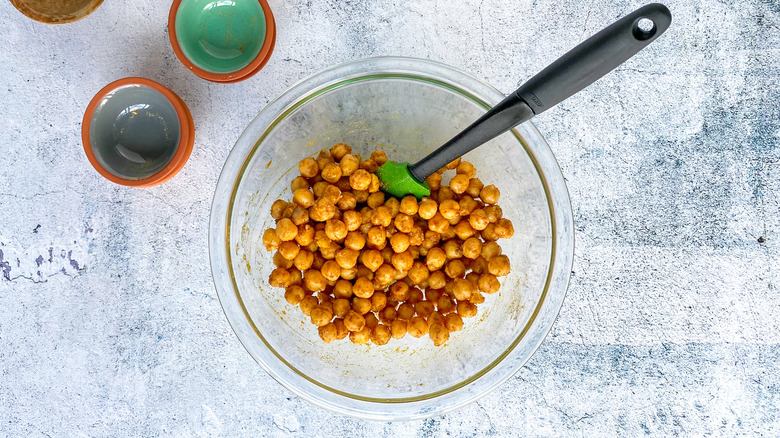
109	324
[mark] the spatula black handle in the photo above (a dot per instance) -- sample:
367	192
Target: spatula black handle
580	67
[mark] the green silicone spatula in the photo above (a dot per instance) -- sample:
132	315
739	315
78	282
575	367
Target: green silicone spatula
580	67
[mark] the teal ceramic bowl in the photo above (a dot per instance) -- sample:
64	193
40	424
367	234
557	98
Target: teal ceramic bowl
222	40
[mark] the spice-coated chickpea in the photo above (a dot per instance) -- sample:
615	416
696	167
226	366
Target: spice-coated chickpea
438	334
427	208
489	233
280	277
360	337
367	273
379	156
303	260
355	240
352	220
435	259
298	183
361	195
341	306
307	304
475	186
382	216
398	329
319	260
416	236
405	311
296	277
361	305
341	330
331	193
446	193
339	150
454	221
488	283
346	258
467	205
504	228
452	164
403	223
349	273
455	268
399	242
394	205
417	327
343	185
478	219
342	289
308	167
286	230
431	239
493	213
328	333
300	215
385	274
349	164
452	249
408	205
376	199
445	305
448	234
336	230
294	294
369	165
490	250
418	272
378	301
387	315
453	322
277	209
289	250
324	158
328	251
360	180
322	210
415	295
477	298
449	209
371	320
499	265
434	181
402	261
319	188
380	335
354	321
489	194
399	291
288	211
270	240
321	316
424	308
459	183
464	230
466	168
347	202
438	223
314	281
472	247
466	309
376	237
363	287
433	295
305	235
462	289
281	262
434	318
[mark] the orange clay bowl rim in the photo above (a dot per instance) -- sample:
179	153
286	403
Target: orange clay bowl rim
239	75
183	149
43	17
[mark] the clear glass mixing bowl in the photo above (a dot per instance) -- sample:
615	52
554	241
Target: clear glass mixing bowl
407	107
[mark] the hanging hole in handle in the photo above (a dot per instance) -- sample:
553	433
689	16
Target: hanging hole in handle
644	28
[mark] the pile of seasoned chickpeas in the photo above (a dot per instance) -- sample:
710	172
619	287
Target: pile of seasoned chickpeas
372	267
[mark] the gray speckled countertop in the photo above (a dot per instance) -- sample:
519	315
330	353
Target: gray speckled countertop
109	323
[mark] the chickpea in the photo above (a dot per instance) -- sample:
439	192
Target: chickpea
294	294
454	221
478	219
379	156
452	164
489	194
360	180
434	181
305	235
398	329
354	321
488	283
452	249
321	316
361	195
342	289
289	250
369	165
361	305
438	334
280	277
339	150
336	230
415	295
360	337
281	262
431	239
435	318
477	298
417	327
354	241
446	193
475	186
308	167
424	308
328	251
435	259
380	335
464	230
402	261
394	205
433	295
448	234
319	260
363	287
408	205
462	289
341	330
325	299
382	216
378	301
418	272
352	220
371	320
387	314
314	280
286	230
348	201
399	291
449	209
346	258
405	311
489	233
499	265
455	268
438	223
288	211
453	322
445	305
349	273
416	236
365	272
322	210
427	208
349	164
376	199
319	188
399	242
277	209
300	215
466	309
493	213
307	304
385	274
467	205
459	183
324	158
270	240
466	168
490	250
472	247
504	228
328	332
